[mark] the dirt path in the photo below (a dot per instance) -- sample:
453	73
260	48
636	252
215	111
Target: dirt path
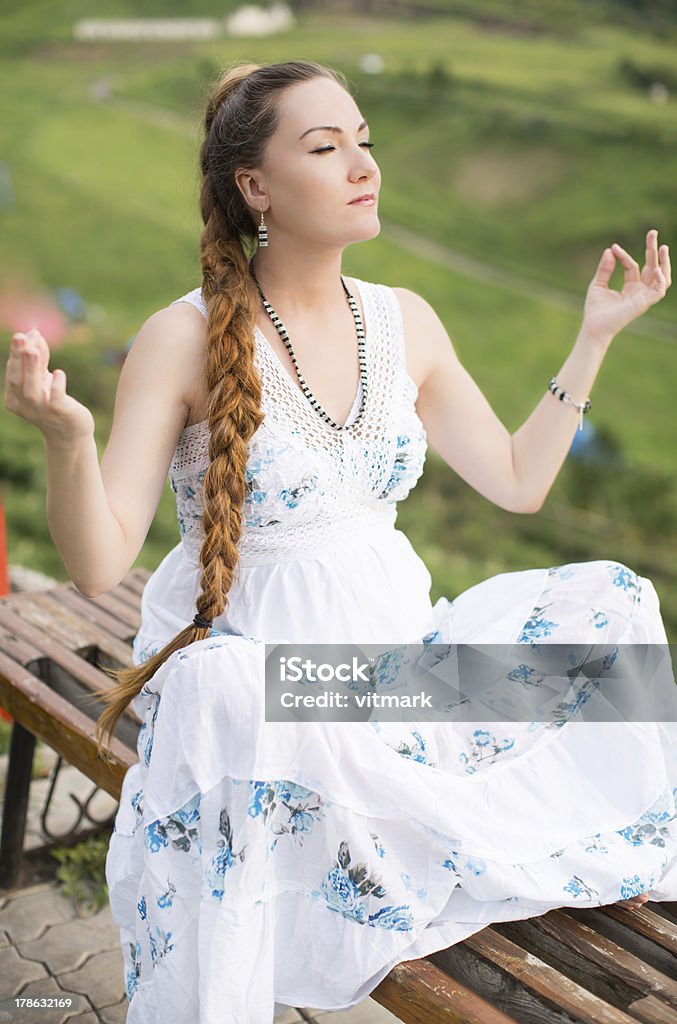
428	249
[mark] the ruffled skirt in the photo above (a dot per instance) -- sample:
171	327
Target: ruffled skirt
297	863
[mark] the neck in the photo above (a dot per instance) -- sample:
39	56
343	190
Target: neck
299	281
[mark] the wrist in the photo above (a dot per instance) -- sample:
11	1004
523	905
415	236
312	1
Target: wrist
590	338
62	444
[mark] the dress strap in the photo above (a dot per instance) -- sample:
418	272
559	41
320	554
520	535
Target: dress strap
396	325
195	299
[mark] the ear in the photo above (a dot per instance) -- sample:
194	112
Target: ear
252	186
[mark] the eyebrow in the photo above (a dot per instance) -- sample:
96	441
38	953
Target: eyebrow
331	128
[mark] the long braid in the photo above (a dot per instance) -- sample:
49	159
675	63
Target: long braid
241	116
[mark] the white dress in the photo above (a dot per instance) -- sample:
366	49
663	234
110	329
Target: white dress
255	863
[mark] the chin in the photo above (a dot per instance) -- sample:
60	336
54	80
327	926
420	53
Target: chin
370	231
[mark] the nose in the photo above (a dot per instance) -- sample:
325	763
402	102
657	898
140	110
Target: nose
366	168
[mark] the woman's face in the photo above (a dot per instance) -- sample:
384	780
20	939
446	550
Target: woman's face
311	172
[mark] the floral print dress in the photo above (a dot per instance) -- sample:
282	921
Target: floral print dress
260	863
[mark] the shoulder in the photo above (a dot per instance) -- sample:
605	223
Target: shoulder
172	342
412	304
426	338
180	329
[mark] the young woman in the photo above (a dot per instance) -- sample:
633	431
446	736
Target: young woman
257	861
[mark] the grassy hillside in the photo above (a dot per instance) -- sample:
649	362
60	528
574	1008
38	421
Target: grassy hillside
519	153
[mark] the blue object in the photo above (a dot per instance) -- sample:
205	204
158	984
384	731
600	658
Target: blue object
586	444
71	303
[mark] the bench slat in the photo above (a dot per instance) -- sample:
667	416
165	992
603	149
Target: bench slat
137	578
544	979
48	613
15	646
651	1011
615	960
76	669
416	991
93	613
123	611
626	932
63	727
127	596
648	923
54	619
116	650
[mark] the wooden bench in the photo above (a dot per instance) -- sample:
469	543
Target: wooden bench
604	965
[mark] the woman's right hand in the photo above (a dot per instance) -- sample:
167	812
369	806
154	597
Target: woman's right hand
39	395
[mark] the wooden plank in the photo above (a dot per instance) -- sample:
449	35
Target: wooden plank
79	670
615	960
63	727
134	585
71	677
417	991
54	620
649	922
91	611
123	611
15	646
651	1011
121	592
116	652
548	982
650	937
139	575
646	922
500	987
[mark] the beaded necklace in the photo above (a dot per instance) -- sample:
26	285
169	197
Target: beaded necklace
281	330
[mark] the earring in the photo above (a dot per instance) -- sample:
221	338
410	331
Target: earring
263	232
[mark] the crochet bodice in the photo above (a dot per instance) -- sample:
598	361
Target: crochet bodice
307	483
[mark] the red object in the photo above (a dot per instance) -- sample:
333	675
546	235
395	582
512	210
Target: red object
4	561
4	575
22	307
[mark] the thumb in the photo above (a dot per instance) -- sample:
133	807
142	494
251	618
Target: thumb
605	268
58	389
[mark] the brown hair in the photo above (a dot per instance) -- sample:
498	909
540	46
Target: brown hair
242	114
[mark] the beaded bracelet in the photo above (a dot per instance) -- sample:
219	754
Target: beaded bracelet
564	396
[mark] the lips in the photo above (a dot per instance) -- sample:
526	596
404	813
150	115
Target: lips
362	198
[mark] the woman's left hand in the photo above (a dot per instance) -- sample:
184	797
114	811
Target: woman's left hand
607	312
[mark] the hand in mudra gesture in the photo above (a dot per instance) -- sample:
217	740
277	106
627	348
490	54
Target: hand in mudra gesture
606	312
38	395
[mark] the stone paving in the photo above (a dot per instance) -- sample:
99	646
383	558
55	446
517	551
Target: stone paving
51	945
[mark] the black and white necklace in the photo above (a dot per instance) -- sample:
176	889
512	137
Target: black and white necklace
359	326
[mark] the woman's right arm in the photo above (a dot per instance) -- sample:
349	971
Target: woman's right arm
99	515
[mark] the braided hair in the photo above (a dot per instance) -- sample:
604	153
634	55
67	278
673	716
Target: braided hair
241	116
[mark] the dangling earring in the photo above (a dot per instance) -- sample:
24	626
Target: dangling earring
263	232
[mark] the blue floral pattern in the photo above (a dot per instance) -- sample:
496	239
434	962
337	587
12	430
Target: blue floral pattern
348	890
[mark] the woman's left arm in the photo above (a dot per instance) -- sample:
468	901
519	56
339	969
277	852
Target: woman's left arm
517	471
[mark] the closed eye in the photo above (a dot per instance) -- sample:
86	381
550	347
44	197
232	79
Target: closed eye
327	149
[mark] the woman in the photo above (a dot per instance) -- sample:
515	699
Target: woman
256	861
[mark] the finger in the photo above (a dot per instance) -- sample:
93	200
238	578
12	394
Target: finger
37	342
605	268
664	256
652	249
630	266
32	387
58	389
14	372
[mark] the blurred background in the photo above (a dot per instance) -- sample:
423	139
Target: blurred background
516	141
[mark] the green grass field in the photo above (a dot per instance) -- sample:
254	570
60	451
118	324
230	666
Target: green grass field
525	153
